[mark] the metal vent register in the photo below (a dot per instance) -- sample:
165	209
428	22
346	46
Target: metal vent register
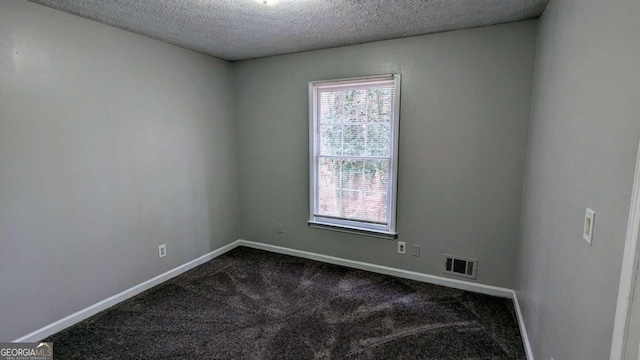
459	266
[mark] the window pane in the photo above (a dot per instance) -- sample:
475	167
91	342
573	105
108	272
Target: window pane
352	104
352	204
353	143
361	105
328	193
356	105
352	174
376	186
378	139
376	175
340	106
331	107
331	140
381	101
375	206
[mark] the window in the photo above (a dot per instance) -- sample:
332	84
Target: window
354	154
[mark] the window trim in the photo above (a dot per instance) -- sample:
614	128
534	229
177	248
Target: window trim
354	226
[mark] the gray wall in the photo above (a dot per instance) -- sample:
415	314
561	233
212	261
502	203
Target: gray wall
463	133
110	144
585	127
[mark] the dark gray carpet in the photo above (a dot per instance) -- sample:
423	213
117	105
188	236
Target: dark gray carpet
252	304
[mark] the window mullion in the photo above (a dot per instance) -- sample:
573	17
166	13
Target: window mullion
340	192
366	152
342	139
364	190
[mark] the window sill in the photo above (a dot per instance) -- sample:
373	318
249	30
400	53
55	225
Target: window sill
355	231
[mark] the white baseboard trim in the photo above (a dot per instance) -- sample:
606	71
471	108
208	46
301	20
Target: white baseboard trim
117	298
523	329
406	274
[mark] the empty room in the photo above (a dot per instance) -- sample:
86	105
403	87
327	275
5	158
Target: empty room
319	179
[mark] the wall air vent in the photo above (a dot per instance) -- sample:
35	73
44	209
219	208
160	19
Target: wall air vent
459	266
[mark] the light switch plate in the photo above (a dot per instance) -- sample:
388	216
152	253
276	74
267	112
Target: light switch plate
589	219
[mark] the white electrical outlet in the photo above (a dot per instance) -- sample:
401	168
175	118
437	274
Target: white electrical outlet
280	227
162	250
402	247
416	250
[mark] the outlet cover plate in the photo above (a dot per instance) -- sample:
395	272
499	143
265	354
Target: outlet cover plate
589	218
162	250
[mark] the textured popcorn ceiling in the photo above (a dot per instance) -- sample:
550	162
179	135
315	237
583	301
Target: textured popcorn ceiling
245	29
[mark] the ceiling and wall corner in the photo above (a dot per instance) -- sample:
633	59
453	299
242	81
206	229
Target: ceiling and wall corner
245	29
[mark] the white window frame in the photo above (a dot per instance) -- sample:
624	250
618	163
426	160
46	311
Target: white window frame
387	231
